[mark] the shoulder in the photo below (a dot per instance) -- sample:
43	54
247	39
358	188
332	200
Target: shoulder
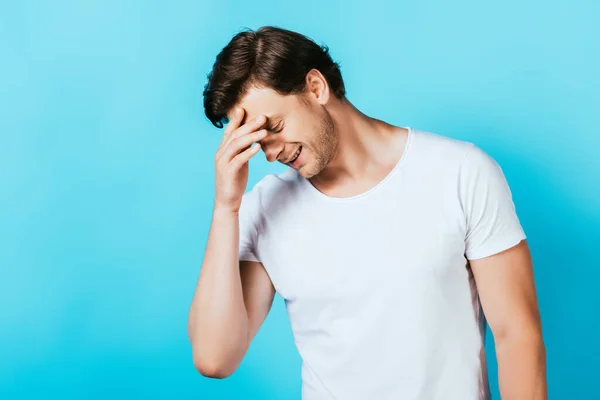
271	187
272	184
432	145
449	154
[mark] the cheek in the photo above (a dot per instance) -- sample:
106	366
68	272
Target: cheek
293	136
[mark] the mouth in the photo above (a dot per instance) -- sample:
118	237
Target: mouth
295	157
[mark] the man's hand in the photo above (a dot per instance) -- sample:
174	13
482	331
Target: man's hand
231	159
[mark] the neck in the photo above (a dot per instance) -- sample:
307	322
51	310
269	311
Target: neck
366	146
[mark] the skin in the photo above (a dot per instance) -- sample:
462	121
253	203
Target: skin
505	283
344	153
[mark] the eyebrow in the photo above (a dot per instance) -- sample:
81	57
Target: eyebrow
273	121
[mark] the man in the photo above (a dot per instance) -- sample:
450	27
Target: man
386	242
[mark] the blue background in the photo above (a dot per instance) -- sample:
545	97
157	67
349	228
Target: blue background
106	173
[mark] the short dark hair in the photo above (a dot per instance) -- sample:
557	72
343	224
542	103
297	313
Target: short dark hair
269	57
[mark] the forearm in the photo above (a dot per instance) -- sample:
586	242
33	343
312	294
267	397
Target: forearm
521	367
218	322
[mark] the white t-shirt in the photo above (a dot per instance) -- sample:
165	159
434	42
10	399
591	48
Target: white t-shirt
380	298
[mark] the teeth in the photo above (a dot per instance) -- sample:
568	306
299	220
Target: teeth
295	155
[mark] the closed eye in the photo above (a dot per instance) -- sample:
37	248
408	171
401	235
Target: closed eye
277	128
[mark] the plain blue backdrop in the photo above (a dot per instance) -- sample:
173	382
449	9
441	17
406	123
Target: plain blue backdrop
107	179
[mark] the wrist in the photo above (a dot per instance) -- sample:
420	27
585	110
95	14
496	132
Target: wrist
222	210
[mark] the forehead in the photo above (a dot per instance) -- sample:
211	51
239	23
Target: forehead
264	101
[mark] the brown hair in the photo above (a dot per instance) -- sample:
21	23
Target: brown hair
268	57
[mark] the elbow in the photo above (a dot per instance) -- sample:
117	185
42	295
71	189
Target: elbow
214	360
213	368
214	371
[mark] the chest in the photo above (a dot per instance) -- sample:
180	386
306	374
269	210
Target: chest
347	251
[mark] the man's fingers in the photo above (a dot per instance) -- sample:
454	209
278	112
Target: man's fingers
241	143
234	122
235	129
250	127
242	158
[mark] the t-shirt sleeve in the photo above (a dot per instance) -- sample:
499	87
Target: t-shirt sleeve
492	224
249	217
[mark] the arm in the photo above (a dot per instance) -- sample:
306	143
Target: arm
231	301
232	298
507	292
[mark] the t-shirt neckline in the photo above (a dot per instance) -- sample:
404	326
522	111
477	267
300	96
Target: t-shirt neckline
374	188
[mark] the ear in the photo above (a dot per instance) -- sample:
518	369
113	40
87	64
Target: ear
317	87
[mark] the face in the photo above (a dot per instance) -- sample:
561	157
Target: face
293	123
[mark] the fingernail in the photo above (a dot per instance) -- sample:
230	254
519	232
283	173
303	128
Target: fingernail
259	118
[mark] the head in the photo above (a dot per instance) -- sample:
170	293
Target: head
288	78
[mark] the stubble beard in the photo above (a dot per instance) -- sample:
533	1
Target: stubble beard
323	147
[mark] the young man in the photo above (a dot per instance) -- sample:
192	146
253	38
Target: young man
386	242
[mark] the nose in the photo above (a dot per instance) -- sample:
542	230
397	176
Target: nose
272	150
270	153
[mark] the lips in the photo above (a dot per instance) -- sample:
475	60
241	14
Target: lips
295	155
292	157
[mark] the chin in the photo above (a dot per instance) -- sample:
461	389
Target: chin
303	171
307	172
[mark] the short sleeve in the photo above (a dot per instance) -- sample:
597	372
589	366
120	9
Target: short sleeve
492	224
249	217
